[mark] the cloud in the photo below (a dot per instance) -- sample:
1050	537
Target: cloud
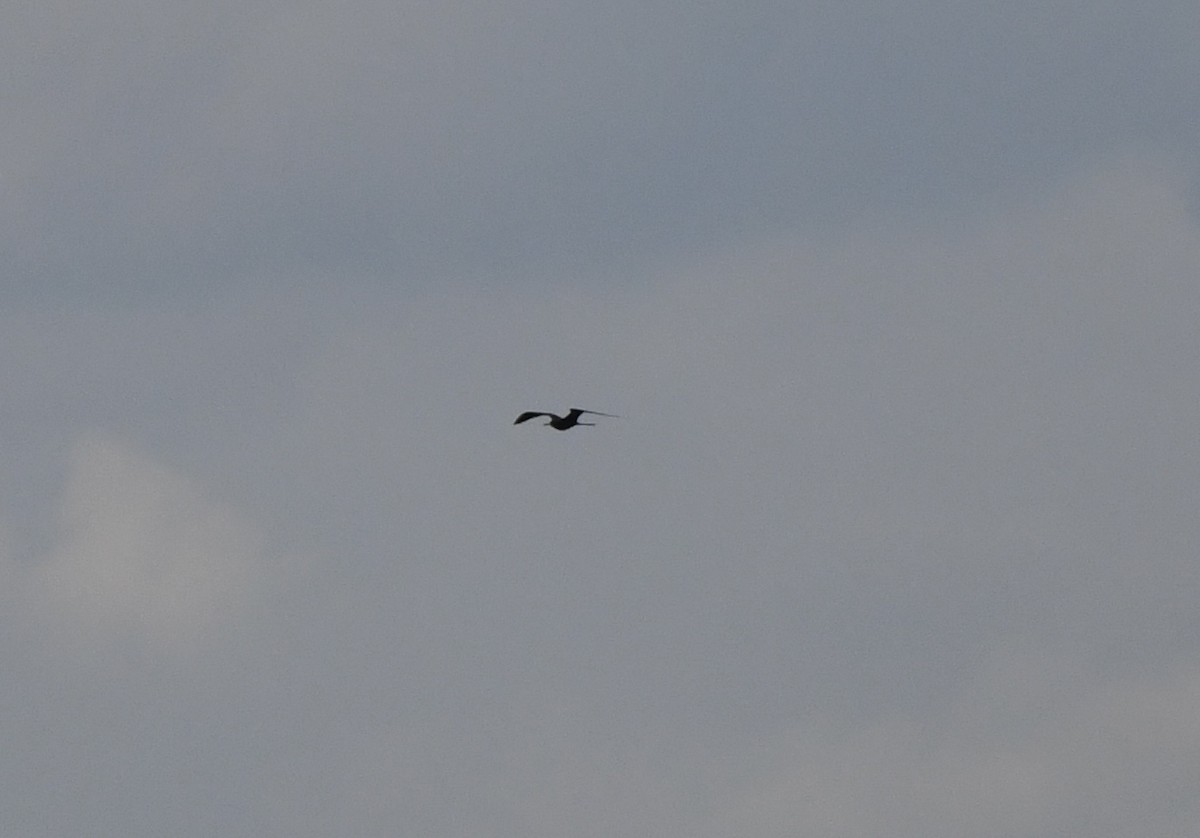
1030	749
263	142
142	554
855	472
1031	744
895	536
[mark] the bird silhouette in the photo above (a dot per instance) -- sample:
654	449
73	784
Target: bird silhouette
561	423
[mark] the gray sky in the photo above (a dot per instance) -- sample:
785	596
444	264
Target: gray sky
897	533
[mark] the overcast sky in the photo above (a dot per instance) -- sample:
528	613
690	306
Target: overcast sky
897	533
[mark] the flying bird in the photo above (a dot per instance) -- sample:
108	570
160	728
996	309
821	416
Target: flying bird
561	423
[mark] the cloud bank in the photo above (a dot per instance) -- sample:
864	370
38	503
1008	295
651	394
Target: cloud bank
160	150
895	535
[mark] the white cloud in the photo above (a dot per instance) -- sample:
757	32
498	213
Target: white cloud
142	552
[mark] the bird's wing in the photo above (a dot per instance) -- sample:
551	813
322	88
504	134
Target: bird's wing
529	414
594	413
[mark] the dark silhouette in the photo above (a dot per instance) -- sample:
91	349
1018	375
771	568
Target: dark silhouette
561	423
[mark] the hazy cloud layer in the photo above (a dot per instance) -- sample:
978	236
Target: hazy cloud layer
156	149
895	535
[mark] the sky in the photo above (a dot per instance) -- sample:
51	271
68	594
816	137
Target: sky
896	533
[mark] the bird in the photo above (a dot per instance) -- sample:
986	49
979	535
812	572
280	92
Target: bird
562	423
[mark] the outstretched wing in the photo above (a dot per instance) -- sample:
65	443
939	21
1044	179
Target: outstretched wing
577	411
530	414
